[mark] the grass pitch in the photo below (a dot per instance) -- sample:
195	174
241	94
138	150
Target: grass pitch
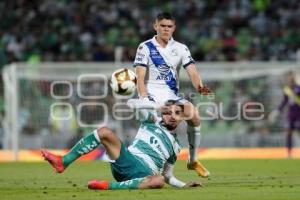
230	179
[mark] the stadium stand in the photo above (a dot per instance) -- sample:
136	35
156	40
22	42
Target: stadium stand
90	30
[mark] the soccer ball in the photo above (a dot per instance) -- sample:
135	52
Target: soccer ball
123	82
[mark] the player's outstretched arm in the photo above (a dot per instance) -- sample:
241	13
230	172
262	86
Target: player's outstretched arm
140	72
196	80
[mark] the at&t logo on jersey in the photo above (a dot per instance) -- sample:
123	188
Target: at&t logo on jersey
163	77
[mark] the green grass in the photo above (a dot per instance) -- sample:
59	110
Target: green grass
230	179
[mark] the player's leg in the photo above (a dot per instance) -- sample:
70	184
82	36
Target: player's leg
289	142
87	144
194	137
130	171
292	126
149	182
193	130
83	146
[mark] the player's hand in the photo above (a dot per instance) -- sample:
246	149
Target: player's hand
147	98
204	90
273	116
193	184
165	110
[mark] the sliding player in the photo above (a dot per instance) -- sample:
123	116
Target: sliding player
157	64
147	163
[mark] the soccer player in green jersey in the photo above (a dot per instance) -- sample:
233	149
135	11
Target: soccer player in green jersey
147	163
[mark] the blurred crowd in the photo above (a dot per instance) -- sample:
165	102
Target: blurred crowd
89	30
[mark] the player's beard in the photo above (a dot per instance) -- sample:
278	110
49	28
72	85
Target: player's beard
170	127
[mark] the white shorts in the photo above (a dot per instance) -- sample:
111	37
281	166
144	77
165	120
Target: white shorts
162	94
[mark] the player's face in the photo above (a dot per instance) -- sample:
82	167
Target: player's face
164	28
172	115
291	79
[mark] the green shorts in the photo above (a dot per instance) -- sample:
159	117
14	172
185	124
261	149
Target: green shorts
129	166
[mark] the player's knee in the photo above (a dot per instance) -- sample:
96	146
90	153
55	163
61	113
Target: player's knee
191	113
161	182
194	122
158	182
104	132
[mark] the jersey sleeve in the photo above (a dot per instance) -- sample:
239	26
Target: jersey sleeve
172	159
142	56
186	57
146	115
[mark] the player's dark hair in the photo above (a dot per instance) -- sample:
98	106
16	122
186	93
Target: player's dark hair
165	15
174	102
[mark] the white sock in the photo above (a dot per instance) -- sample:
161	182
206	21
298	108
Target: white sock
95	132
194	137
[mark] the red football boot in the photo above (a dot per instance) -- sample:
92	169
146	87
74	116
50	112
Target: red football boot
54	160
98	185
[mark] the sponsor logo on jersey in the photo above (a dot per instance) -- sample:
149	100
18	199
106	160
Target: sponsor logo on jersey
154	142
163	69
153	52
174	52
163	77
139	57
156	57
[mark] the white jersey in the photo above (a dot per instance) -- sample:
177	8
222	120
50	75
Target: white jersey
163	64
155	145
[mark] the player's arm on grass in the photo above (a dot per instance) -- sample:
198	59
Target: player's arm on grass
173	181
196	79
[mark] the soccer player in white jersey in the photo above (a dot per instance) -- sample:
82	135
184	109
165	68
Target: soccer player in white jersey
147	163
157	62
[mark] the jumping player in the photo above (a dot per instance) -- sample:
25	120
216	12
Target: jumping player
157	62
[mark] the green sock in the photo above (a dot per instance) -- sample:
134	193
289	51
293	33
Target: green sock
83	146
130	184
